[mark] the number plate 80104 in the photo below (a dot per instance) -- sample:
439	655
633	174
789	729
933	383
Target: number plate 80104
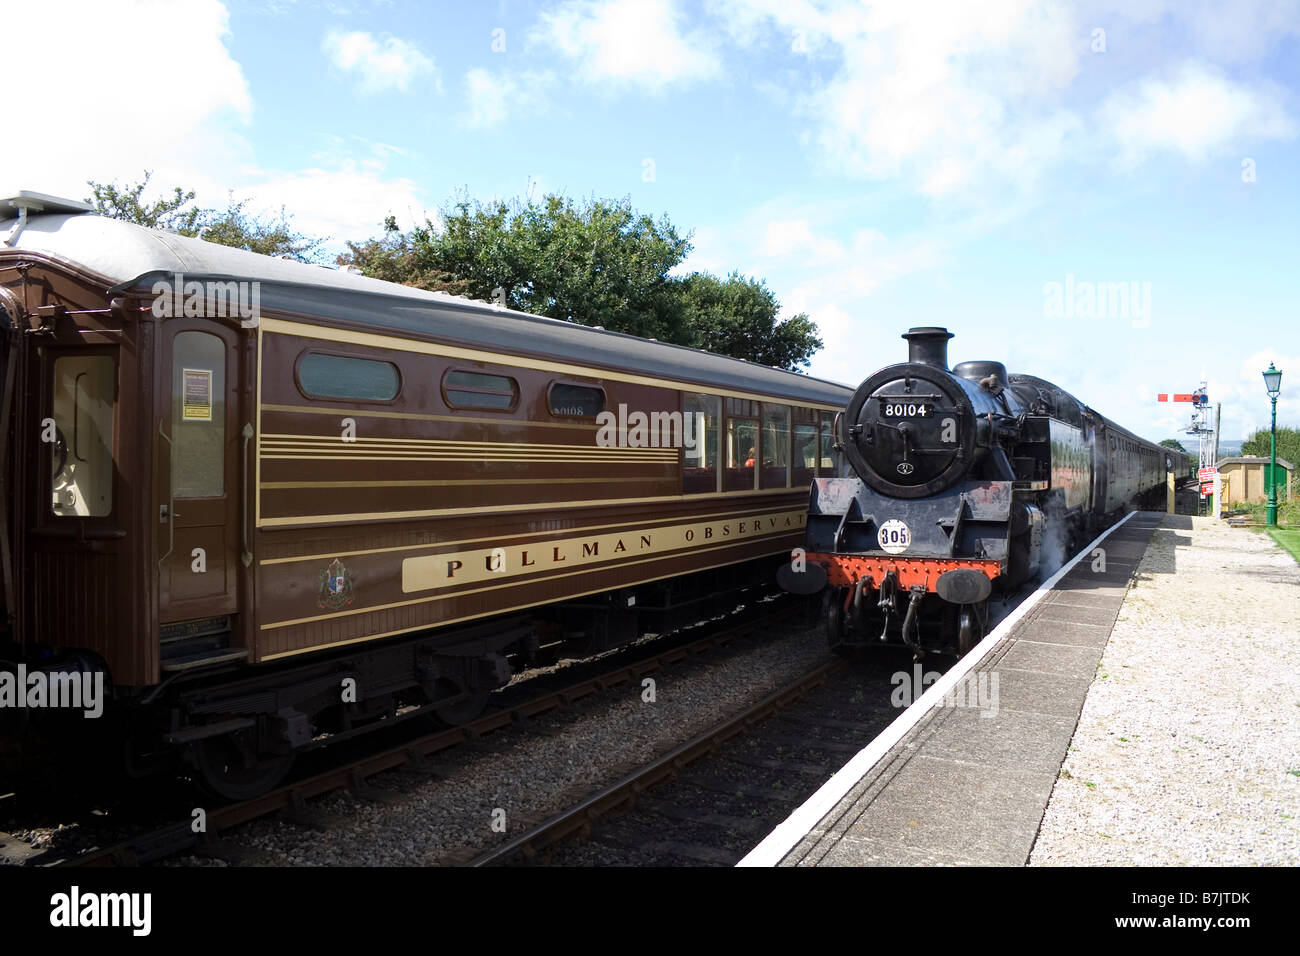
906	409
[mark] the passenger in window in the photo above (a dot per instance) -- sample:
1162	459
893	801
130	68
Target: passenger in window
749	462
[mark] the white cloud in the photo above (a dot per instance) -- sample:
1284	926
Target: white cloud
383	64
492	96
1219	32
627	42
344	200
1198	112
186	132
783	236
818	260
957	100
945	95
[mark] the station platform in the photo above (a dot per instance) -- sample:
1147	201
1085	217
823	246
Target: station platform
967	781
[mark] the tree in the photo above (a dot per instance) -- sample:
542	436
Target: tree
231	227
596	263
1288	444
1175	445
123	202
268	237
737	316
393	259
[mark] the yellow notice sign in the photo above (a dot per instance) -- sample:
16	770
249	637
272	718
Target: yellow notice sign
196	405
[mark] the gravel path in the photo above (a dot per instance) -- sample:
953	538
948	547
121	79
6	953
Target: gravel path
1188	748
534	776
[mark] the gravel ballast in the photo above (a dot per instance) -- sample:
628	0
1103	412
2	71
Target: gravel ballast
534	775
1187	751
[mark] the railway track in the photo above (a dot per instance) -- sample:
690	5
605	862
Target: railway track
623	796
794	739
713	797
413	755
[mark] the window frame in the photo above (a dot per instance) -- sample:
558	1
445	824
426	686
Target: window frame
550	405
446	399
310	396
46	515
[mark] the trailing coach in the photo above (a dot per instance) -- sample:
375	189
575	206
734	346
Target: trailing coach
275	504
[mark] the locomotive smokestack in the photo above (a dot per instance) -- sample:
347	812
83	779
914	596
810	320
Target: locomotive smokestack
928	345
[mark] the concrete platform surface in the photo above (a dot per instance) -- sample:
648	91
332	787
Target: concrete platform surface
968	784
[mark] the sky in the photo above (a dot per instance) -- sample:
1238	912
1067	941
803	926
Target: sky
1103	194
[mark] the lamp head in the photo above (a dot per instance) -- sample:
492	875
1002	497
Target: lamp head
1273	381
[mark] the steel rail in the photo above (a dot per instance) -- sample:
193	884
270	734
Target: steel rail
178	836
577	820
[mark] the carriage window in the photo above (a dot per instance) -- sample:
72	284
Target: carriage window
576	401
480	390
742	452
776	446
700	462
80	438
341	376
806	449
826	464
198	416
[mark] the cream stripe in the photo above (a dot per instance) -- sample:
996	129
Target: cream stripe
358	447
515	458
530	535
471	617
378	341
501	509
532	580
438	483
292	439
503	422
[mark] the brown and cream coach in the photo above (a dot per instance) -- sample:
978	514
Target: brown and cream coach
235	485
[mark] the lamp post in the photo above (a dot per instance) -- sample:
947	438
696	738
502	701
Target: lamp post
1273	383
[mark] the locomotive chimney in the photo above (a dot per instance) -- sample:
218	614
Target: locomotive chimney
928	345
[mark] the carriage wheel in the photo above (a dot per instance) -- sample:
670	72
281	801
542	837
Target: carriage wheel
229	768
461	708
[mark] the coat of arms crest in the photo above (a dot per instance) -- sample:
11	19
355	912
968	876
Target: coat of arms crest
335	587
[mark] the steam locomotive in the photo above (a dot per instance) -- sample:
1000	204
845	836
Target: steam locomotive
959	482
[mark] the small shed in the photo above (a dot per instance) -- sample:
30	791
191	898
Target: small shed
1246	478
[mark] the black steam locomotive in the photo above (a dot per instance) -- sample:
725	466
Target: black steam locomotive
962	481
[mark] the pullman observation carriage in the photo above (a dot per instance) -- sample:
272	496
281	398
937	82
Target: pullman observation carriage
233	482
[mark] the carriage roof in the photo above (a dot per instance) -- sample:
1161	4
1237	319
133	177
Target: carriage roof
132	256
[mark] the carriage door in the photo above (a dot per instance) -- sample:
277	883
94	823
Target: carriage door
198	482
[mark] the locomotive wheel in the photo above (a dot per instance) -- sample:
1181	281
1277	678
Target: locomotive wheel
971	621
228	768
834	614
